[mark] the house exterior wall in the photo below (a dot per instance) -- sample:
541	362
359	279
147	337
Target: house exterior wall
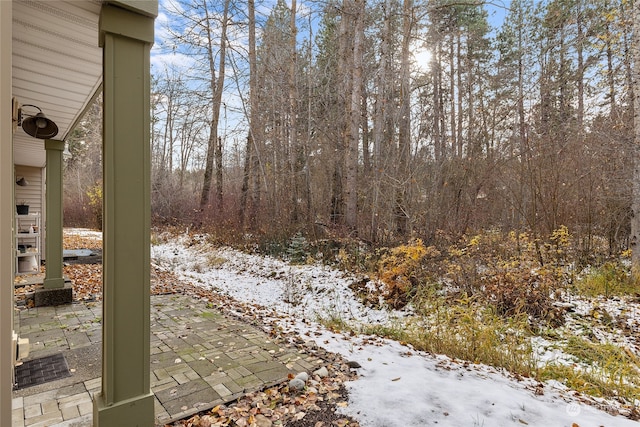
7	210
33	195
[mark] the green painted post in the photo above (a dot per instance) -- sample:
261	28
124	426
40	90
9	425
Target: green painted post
53	243
126	399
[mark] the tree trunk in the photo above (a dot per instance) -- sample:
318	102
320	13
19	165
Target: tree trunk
219	184
452	96
353	133
246	174
345	60
404	128
635	207
380	119
294	145
522	127
580	70
255	126
217	86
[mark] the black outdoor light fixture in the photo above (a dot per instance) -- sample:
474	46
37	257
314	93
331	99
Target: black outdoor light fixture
38	125
22	182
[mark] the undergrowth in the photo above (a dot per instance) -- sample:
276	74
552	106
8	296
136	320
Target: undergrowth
468	330
613	278
601	370
483	298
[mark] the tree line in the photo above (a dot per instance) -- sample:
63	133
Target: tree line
321	118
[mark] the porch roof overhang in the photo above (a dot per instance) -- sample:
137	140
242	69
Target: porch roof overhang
56	65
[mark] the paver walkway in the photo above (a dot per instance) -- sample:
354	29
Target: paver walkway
199	358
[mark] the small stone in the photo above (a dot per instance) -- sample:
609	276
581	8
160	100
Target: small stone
296	384
303	376
322	372
353	364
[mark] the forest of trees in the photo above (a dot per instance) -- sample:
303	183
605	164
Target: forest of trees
322	117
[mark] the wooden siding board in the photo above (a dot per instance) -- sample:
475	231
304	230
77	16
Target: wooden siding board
33	193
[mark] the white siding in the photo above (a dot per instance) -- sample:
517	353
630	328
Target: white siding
32	194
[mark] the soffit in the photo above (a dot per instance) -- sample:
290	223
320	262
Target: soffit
57	65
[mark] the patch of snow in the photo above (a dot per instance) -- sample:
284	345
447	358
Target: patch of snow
401	387
83	232
302	291
546	352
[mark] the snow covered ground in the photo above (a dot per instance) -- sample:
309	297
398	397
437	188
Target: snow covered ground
397	387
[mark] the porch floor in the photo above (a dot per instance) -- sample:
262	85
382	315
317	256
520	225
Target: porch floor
199	358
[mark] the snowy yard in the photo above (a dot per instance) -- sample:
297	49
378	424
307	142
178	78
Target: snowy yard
398	386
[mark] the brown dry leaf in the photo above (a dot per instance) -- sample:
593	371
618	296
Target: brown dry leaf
332	396
206	421
86	279
75	241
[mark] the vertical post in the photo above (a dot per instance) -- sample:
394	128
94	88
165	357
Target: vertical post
126	399
53	244
7	215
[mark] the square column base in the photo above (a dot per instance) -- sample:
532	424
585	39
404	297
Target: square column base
54	296
138	412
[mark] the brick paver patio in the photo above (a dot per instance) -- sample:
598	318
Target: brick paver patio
199	358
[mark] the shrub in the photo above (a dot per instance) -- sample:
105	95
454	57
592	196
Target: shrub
516	291
298	249
95	202
513	273
401	270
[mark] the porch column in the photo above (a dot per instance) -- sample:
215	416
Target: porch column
53	244
7	215
126	399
